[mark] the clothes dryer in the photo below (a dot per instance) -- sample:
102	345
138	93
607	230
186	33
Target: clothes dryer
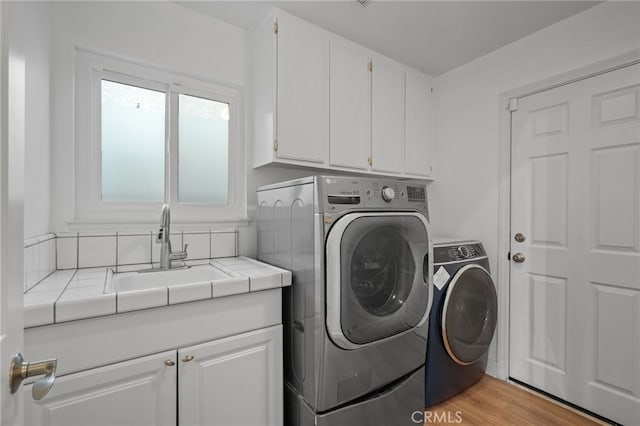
356	315
462	320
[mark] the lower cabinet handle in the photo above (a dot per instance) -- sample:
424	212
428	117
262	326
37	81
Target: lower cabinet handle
187	358
169	363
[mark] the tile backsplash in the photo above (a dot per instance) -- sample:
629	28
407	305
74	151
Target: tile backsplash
39	259
46	253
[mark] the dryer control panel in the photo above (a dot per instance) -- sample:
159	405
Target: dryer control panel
453	252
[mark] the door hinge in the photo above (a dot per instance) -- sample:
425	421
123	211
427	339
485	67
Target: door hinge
275	145
513	104
275	27
370	160
370	66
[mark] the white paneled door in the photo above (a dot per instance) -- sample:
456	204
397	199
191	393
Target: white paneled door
575	268
12	134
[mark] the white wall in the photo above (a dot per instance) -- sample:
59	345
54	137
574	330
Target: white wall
464	196
36	167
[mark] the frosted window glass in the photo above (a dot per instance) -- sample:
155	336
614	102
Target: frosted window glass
203	151
133	143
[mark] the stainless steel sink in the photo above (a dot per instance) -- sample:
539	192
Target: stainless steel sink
130	281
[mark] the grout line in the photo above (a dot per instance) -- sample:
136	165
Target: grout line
117	247
39	281
77	250
55	302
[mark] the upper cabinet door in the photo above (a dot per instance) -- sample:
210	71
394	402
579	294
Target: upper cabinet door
419	127
387	115
350	82
302	91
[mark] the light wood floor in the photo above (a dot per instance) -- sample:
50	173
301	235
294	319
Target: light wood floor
494	402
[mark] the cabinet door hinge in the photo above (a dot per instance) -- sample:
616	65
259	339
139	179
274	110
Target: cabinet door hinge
370	66
275	27
370	160
275	145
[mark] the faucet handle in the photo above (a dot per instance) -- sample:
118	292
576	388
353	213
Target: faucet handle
179	255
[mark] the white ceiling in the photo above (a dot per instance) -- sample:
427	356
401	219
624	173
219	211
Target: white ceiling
432	36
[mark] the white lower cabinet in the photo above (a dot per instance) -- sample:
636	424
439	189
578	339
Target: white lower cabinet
236	381
233	381
138	392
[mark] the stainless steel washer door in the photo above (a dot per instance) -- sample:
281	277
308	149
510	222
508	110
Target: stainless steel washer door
378	275
469	314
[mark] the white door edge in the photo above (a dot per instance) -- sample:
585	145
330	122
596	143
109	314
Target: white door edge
501	370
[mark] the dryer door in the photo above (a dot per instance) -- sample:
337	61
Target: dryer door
378	274
469	314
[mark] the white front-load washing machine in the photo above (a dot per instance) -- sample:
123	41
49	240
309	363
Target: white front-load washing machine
356	315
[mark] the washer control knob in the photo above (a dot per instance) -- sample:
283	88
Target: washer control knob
388	193
463	251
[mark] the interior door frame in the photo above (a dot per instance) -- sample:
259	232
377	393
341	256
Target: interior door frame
507	100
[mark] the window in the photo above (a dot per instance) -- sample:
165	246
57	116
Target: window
145	137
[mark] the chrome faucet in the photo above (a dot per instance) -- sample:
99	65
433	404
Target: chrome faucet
164	239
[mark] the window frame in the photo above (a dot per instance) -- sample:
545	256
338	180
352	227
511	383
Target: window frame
91	69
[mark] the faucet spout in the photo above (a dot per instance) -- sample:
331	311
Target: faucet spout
164	239
164	234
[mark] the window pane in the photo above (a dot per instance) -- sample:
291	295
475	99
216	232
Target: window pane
133	143
203	151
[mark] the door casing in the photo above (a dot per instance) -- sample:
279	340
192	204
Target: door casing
504	192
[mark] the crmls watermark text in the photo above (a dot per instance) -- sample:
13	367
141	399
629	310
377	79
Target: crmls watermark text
427	417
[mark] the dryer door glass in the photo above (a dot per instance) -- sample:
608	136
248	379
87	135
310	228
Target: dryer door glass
469	314
383	288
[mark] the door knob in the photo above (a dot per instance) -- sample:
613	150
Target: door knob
20	370
518	257
519	237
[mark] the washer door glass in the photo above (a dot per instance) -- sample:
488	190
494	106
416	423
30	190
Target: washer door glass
383	284
469	314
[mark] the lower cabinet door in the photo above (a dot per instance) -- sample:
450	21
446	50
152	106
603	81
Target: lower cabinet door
235	381
138	392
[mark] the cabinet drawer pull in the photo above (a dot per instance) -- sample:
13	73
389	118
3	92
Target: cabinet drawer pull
187	358
169	363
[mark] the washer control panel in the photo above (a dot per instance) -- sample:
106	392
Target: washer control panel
388	193
337	193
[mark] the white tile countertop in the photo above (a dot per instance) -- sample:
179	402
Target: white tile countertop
75	294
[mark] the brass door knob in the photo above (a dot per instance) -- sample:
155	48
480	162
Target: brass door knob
21	369
518	257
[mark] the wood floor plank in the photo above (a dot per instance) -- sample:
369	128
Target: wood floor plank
495	402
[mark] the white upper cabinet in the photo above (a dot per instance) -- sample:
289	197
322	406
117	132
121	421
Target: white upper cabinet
387	116
292	92
418	125
350	88
326	102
